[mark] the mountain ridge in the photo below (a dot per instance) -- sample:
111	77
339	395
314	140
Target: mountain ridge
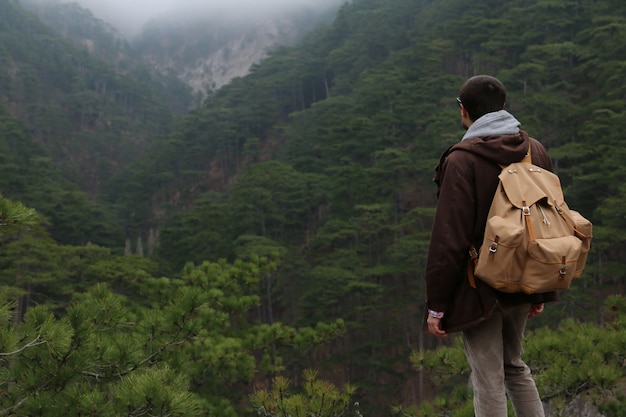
215	67
205	50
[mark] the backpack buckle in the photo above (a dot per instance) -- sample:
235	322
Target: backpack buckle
493	247
473	252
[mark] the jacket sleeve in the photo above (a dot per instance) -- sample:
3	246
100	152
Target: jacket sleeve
452	229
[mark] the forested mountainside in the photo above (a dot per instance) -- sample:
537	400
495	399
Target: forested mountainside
284	224
85	115
106	43
89	118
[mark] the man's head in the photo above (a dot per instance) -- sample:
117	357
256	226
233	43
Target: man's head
480	95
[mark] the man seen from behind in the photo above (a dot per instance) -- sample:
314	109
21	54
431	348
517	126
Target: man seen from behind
492	322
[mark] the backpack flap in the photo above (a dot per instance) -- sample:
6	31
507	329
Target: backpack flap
529	183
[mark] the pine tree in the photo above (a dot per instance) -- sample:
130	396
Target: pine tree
317	398
173	347
16	218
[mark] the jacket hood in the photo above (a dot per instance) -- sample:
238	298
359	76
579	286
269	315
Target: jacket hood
495	123
497	137
502	150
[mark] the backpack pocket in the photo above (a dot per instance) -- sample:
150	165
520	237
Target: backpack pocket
583	232
551	264
497	262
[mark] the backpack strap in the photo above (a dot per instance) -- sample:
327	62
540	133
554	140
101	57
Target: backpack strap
471	264
571	223
527	158
529	226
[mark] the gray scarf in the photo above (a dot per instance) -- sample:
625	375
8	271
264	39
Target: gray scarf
491	124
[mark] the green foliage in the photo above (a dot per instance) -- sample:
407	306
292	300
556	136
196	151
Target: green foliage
34	180
202	234
42	272
16	218
318	399
81	118
615	408
91	361
179	354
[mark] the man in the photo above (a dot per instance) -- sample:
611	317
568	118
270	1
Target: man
492	322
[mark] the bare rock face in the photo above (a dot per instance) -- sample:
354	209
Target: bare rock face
208	59
209	50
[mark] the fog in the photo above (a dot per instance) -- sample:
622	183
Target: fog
129	16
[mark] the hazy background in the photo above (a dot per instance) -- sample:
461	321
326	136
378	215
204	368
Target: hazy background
129	16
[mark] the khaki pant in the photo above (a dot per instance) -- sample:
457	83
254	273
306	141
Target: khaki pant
494	350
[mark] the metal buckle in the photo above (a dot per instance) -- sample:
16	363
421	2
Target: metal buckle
493	248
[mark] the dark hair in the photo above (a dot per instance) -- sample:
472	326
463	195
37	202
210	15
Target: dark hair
482	94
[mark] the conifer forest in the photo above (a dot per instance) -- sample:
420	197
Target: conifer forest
262	253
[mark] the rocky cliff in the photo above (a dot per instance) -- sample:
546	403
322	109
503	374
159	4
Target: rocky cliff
208	51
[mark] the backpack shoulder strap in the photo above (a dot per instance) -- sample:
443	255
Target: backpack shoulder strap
527	159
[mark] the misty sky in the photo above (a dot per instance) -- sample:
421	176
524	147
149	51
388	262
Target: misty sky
130	15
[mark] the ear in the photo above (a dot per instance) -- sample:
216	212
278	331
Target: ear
465	118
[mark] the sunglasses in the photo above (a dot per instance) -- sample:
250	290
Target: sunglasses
459	102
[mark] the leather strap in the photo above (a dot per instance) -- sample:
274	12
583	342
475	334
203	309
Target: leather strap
471	264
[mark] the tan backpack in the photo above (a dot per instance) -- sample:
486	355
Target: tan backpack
533	242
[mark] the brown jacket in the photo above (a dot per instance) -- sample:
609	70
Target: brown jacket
467	178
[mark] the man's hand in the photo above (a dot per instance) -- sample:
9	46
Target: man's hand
434	327
535	309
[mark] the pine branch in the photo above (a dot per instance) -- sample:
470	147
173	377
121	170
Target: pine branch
148	359
30	344
16	217
11	410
